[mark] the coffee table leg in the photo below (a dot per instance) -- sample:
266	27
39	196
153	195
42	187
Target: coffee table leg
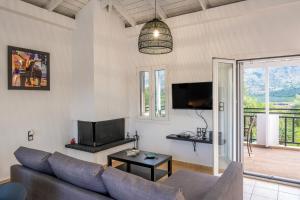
109	162
170	167
152	174
128	167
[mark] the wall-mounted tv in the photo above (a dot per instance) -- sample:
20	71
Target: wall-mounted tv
196	96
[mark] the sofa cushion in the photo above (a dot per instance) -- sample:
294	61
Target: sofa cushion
78	172
34	159
125	186
40	186
194	185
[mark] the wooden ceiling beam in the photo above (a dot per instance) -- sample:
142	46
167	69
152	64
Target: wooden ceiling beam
119	8
203	4
53	4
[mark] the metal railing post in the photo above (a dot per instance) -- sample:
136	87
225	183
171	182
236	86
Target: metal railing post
293	131
285	131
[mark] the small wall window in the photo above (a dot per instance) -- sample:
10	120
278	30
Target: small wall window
153	93
160	93
144	94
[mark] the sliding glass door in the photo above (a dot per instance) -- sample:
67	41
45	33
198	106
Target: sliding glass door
225	140
270	92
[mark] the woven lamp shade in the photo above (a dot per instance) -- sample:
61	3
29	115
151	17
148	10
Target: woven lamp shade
155	38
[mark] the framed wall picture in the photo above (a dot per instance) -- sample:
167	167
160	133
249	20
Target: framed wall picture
28	69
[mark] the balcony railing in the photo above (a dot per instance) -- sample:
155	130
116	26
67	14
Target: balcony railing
289	124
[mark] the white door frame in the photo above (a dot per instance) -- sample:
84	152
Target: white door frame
240	112
216	62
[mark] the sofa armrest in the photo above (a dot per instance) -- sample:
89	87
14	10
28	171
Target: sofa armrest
229	186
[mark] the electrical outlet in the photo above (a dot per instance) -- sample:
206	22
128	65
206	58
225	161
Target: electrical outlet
30	134
221	106
198	131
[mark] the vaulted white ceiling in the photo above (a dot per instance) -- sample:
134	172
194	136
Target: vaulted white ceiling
65	7
134	11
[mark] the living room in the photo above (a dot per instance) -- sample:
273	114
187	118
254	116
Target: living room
95	76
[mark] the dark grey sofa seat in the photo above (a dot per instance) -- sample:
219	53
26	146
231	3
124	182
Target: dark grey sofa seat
198	186
41	186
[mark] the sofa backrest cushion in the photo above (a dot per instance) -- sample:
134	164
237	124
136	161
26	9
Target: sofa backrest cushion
229	186
83	174
34	159
124	186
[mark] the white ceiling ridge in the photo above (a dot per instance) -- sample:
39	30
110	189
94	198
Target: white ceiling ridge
238	9
119	8
37	13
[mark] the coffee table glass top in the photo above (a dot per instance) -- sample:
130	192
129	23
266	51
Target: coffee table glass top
140	158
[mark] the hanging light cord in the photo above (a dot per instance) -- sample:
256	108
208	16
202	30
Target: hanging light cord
155	9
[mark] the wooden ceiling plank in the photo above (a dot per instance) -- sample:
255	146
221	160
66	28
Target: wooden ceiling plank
130	2
159	10
70	6
136	5
123	12
83	1
65	11
183	4
75	3
53	4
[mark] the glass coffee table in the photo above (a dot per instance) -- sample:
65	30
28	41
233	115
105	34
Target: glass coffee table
142	166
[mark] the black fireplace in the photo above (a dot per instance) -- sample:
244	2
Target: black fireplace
100	133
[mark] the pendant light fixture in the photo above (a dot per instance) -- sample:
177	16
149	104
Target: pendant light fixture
155	37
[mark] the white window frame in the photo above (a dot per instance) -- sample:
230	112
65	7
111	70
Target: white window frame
152	70
143	69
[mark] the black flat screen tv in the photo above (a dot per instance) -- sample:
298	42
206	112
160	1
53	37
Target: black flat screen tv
197	96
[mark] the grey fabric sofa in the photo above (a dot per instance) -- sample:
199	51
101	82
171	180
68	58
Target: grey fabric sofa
41	183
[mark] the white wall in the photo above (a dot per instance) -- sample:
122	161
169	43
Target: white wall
83	101
100	66
46	112
110	65
243	30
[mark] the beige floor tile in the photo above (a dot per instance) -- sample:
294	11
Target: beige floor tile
267	185
267	193
246	196
249	181
289	189
262	190
287	196
257	197
248	188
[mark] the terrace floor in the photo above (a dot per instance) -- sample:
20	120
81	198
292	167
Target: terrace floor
273	161
261	190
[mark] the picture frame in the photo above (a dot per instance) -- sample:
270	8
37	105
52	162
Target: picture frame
28	69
